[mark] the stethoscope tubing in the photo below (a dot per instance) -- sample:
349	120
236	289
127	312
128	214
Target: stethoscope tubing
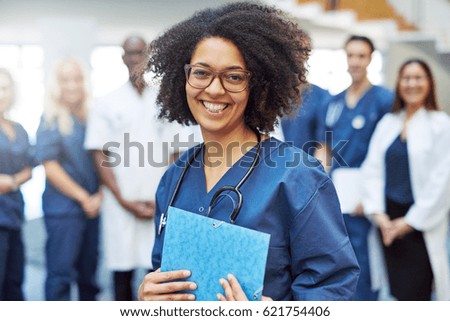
234	189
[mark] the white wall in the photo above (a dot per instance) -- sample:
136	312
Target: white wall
430	16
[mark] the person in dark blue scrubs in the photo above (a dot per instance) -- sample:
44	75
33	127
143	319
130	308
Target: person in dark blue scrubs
351	117
71	200
302	130
234	70
15	169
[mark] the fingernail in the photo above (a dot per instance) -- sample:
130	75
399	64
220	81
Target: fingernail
186	273
191	297
193	286
222	281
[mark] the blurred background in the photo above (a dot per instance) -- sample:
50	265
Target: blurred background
33	34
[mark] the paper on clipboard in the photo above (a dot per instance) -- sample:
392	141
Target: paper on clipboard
347	182
212	249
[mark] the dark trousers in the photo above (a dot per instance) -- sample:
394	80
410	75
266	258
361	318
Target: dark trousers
12	263
72	256
358	228
123	281
407	262
123	285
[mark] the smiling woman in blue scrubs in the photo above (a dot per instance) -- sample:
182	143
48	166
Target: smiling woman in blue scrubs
71	200
15	169
233	70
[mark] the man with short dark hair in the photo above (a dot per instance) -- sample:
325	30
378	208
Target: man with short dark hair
351	118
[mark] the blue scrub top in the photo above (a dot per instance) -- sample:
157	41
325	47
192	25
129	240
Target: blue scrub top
355	125
397	174
289	196
302	130
14	157
69	151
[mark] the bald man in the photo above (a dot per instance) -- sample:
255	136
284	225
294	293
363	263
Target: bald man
127	141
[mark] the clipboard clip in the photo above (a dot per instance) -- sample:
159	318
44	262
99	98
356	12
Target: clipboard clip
257	294
162	223
217	224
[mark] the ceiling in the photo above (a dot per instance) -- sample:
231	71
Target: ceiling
26	21
19	19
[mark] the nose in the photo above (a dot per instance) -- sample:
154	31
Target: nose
72	85
353	63
215	88
415	81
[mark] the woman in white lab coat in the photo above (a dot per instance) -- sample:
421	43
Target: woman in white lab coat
407	187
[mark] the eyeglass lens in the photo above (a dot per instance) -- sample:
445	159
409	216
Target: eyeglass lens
232	80
417	79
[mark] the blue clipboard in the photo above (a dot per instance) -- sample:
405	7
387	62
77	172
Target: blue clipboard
211	249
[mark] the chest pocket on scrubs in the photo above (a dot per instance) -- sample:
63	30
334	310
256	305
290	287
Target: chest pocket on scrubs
75	140
225	204
19	157
121	122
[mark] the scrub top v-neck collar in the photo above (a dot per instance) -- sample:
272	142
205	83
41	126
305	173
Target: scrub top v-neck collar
200	198
8	139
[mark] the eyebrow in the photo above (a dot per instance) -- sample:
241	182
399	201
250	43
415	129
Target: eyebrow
227	68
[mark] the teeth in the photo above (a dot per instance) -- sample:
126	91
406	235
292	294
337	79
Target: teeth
214	108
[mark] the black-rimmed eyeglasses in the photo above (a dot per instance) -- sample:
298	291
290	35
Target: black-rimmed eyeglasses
233	80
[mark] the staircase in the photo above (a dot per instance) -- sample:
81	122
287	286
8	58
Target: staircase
330	28
399	29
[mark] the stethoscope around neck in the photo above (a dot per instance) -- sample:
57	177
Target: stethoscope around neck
234	189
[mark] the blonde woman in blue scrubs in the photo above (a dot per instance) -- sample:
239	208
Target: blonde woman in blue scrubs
71	200
15	169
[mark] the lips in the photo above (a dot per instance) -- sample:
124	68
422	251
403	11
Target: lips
214	108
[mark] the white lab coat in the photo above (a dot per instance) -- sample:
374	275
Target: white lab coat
428	137
128	120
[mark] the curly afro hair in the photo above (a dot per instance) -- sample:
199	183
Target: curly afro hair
275	50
